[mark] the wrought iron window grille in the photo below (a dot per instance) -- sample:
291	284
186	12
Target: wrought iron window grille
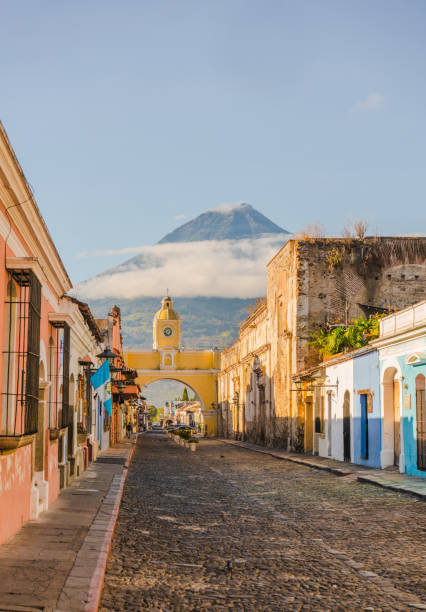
60	413
21	355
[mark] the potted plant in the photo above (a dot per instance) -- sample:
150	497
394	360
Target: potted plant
192	443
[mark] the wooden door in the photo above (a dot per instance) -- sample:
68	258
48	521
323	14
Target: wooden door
421	422
309	432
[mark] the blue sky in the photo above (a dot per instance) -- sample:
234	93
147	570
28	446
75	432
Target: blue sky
128	116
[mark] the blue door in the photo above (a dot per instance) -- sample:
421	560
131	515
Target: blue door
364	426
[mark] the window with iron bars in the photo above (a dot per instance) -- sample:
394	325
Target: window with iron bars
85	402
60	413
21	355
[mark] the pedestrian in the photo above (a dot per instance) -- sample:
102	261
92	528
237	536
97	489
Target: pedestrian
129	429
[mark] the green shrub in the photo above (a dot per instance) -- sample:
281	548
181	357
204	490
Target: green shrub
354	336
183	433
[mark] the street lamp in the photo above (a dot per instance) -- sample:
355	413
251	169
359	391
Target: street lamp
108	354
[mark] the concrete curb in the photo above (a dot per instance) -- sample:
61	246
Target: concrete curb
97	582
360	477
391	487
83	587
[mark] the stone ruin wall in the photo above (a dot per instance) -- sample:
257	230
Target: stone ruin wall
340	279
331	281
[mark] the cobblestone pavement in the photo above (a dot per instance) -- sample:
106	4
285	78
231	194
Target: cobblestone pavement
298	538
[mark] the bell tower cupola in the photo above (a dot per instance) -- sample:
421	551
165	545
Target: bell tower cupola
166	330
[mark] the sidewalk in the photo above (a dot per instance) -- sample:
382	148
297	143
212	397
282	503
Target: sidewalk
57	562
388	479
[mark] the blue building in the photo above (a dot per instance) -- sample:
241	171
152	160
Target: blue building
402	356
368	406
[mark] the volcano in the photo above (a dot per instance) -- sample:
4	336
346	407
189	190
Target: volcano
214	267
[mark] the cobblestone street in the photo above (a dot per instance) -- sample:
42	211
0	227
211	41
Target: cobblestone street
298	538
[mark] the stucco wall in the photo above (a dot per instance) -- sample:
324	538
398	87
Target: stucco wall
15	488
342	376
367	377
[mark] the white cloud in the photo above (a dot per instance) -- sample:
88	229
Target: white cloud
226	268
179	217
227	207
373	101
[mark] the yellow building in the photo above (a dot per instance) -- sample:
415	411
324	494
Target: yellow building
198	369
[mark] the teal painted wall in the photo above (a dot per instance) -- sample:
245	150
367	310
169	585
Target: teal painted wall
409	423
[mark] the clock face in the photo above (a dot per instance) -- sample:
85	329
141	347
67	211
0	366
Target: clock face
167	331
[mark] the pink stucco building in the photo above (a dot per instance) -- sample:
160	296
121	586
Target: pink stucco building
47	341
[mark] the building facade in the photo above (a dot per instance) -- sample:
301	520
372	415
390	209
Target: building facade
50	343
32	283
310	283
368	406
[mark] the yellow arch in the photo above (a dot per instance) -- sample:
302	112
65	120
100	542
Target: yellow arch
197	369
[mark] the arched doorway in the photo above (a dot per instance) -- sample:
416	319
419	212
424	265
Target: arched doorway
347	426
391	442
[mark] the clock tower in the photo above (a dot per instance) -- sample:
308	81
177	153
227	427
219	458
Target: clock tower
166	333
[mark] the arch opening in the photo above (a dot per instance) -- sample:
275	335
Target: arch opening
173	401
